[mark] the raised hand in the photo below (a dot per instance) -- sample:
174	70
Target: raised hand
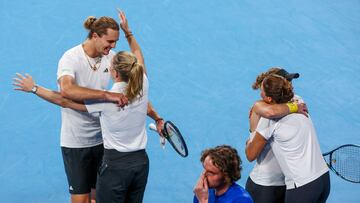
123	22
23	83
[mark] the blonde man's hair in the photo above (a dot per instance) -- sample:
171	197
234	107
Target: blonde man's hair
100	26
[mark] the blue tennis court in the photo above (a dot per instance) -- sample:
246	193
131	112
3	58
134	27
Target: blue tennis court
202	58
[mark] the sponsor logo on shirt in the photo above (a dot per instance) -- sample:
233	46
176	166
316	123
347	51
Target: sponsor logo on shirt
65	70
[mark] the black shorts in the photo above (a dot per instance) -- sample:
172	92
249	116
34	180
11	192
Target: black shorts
265	194
315	191
81	166
122	177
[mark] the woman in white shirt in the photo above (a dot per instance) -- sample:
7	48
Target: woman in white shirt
123	174
266	182
294	143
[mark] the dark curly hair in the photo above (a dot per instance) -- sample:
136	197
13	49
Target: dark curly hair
226	159
278	88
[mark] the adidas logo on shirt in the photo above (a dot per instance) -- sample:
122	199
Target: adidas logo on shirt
71	188
106	70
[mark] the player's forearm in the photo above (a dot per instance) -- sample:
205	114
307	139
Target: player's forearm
56	98
135	48
270	110
77	93
250	152
254	147
151	112
51	96
253	121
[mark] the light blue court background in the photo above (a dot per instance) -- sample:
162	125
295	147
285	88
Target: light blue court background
202	57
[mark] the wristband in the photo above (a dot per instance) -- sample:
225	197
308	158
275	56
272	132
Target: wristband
129	34
293	108
159	119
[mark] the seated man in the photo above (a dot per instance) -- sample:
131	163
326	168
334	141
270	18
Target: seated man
222	166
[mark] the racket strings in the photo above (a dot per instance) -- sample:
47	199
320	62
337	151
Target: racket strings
176	139
346	162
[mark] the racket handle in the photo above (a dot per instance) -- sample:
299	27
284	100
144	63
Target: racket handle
152	126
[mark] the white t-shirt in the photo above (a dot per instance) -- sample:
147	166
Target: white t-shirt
267	171
80	129
123	129
294	143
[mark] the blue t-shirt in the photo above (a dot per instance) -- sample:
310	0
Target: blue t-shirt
235	194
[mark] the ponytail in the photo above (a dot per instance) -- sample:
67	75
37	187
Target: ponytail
125	63
135	83
89	22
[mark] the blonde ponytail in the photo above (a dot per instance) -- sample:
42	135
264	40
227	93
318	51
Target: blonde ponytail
131	72
135	83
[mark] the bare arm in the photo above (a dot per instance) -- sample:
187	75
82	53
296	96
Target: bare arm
134	46
254	147
56	98
70	90
270	111
26	84
151	112
253	120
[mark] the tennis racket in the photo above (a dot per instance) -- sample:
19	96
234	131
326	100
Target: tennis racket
344	161
173	136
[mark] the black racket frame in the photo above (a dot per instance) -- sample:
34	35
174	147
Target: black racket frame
166	135
330	153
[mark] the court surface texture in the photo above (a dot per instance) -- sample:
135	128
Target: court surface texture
201	57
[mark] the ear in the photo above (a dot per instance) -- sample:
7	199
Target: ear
95	35
268	99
